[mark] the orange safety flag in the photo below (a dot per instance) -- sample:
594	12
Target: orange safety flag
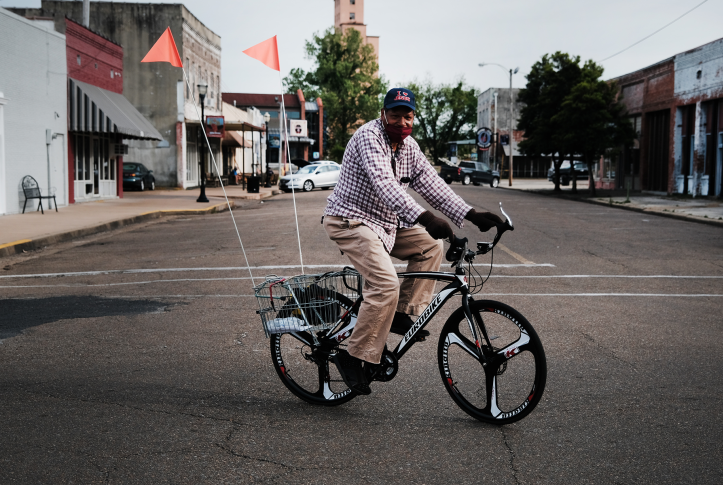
266	52
164	50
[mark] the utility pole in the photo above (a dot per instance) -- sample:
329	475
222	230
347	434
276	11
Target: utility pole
511	126
86	14
496	137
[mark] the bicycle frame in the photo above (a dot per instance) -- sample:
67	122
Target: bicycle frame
457	284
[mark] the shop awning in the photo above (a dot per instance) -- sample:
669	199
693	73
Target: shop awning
96	110
235	138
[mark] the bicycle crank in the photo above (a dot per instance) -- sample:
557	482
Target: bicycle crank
387	368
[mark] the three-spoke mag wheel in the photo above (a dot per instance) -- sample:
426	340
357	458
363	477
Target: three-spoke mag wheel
306	369
511	384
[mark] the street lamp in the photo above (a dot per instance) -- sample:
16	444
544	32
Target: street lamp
202	89
483	64
267	118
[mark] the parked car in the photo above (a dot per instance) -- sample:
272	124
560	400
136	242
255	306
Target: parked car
137	176
580	172
323	174
476	173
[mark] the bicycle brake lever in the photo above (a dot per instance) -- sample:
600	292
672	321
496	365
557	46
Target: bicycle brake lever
508	222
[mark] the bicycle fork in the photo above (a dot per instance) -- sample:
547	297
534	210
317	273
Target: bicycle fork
472	319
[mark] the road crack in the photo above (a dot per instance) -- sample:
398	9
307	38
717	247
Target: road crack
512	454
138	408
608	351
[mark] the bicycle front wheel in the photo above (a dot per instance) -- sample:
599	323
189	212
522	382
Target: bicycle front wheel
509	386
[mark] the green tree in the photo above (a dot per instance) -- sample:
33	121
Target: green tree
592	120
344	76
444	113
300	79
550	80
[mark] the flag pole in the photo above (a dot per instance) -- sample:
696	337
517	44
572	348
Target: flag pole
288	157
218	174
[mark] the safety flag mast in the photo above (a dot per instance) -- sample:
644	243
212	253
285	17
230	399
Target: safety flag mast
268	53
164	50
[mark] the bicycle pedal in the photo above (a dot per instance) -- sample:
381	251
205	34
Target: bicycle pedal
420	339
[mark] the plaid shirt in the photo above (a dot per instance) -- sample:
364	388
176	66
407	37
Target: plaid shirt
371	192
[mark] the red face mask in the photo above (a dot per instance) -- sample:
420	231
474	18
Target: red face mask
396	133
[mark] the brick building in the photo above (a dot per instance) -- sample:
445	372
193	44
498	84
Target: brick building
676	107
493	112
100	118
157	90
310	147
349	14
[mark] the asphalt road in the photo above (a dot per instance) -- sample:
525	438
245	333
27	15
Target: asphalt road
154	376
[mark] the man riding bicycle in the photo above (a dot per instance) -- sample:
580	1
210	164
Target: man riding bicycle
371	217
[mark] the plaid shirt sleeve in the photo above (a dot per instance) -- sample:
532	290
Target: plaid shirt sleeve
427	183
375	156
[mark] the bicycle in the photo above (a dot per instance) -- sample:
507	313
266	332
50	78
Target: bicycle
490	358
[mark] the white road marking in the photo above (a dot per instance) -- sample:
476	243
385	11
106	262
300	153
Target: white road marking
693	295
229	268
98	273
610	276
655	295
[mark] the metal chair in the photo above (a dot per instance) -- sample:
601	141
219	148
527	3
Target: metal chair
32	191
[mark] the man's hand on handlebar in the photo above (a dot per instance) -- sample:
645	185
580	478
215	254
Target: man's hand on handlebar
437	227
484	220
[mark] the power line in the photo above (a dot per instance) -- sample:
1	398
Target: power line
649	36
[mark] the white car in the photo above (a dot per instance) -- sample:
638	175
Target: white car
323	174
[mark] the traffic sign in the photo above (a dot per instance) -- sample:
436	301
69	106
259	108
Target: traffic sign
484	138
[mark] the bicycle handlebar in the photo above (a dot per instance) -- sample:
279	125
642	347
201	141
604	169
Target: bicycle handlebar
457	251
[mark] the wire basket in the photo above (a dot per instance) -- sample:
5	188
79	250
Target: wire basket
306	303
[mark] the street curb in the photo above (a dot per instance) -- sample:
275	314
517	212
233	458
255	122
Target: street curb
261	196
671	215
30	244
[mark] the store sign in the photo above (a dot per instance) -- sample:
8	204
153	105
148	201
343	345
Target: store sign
484	139
316	155
215	127
298	128
274	140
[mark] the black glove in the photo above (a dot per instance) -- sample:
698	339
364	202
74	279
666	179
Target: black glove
483	220
436	227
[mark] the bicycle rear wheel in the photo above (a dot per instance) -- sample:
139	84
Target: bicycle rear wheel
510	386
306	369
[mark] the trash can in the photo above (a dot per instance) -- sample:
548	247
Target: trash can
253	183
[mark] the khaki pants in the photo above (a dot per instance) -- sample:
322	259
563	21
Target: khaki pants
383	294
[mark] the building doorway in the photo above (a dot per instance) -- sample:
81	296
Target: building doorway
95	167
658	142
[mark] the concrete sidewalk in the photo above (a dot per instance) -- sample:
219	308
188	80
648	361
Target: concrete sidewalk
707	210
32	230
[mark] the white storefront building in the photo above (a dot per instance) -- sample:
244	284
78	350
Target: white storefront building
33	111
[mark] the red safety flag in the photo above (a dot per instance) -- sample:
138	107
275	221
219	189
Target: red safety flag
266	52
164	50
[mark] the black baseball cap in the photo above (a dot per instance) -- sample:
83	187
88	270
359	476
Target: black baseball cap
399	97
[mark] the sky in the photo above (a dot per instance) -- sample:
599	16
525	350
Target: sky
445	41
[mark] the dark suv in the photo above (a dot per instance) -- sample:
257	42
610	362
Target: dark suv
477	173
